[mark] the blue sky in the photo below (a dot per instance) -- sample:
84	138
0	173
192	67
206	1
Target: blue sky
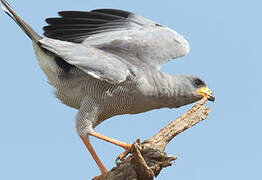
37	133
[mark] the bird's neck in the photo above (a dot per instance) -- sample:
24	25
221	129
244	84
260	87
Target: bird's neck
165	89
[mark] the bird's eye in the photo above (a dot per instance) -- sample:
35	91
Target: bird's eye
198	82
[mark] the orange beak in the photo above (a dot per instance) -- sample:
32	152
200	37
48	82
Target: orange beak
206	92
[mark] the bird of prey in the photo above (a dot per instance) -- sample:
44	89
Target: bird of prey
106	62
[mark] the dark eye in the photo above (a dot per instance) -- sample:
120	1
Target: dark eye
198	82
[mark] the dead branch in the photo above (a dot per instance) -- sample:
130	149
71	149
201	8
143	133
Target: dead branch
148	158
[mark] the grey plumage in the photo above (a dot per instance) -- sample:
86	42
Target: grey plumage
107	62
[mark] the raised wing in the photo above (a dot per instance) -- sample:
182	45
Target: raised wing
122	33
95	62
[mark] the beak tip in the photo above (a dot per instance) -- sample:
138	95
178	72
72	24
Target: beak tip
211	98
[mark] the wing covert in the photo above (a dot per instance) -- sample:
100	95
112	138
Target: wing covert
111	30
99	64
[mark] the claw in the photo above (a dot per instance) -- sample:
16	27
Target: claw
118	161
122	156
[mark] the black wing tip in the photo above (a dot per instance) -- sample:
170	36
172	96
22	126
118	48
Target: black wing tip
116	12
50	20
62	13
72	14
72	22
113	12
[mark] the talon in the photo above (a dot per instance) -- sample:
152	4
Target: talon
118	161
122	156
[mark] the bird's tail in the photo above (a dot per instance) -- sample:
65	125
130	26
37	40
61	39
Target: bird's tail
22	24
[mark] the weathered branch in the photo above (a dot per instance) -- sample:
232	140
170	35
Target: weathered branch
148	158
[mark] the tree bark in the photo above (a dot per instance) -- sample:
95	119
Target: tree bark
148	158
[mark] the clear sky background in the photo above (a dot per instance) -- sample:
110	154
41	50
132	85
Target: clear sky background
37	133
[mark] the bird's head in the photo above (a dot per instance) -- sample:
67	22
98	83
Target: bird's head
189	89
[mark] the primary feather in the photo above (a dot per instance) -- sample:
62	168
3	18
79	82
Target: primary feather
122	33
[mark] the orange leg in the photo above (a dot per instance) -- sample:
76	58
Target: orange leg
124	145
103	170
95	157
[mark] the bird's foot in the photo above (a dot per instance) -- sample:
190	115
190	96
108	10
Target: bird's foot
122	156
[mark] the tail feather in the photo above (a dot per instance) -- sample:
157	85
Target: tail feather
22	24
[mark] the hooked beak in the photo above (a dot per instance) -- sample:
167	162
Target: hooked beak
206	92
